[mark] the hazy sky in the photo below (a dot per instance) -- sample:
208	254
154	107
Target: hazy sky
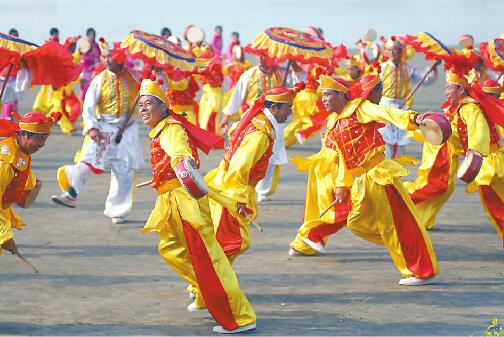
343	21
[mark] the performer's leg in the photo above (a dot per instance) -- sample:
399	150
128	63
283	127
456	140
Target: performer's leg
73	177
387	214
120	198
492	199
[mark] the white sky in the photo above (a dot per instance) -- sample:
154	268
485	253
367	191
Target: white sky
343	21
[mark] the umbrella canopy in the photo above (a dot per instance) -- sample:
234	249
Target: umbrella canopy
50	64
426	43
492	54
156	50
280	44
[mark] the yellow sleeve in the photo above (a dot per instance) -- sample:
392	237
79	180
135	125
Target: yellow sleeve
251	149
6	175
175	142
368	112
344	177
478	132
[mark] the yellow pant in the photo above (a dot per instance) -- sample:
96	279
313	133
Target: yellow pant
384	214
209	109
492	199
197	257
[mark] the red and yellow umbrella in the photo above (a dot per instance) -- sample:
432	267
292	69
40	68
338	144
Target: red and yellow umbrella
492	54
426	43
280	44
158	51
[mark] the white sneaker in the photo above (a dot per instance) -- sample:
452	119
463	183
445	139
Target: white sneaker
293	252
192	296
193	307
248	327
118	220
415	281
299	138
64	199
315	245
263	198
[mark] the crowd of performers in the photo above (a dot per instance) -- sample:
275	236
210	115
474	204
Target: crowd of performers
361	103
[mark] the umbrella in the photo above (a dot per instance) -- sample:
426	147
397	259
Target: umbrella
492	54
280	44
426	43
50	64
158	51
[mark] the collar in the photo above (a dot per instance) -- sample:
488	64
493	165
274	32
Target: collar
349	108
160	126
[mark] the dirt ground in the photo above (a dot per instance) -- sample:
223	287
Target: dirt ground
102	279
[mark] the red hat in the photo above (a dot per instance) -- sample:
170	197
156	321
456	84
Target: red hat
34	122
492	87
368	83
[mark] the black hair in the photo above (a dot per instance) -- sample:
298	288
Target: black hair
53	30
165	31
235	33
14	32
90	30
218	26
268	104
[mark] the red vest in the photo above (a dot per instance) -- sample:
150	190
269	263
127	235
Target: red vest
15	191
160	161
354	139
258	171
463	135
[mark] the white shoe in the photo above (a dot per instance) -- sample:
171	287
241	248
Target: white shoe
248	327
64	199
315	245
415	281
263	198
293	252
299	138
192	296
118	220
193	307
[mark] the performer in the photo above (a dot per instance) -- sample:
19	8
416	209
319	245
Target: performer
245	163
397	76
235	41
17	85
382	211
253	84
233	71
186	237
182	89
89	58
473	129
23	138
210	75
216	42
106	106
313	234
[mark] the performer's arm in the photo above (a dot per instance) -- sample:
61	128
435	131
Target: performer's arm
251	149
368	112
416	76
89	106
175	142
236	100
478	132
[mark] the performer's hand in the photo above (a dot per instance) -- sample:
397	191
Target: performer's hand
419	117
224	124
95	135
10	246
341	194
242	208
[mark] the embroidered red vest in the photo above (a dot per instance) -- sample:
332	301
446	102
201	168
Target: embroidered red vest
258	171
160	161
462	130
15	192
354	139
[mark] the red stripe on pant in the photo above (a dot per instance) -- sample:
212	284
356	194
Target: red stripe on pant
318	233
437	181
228	233
413	245
494	205
212	290
212	125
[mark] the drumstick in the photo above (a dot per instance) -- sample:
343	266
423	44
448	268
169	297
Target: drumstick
412	92
25	260
256	225
128	118
328	208
145	183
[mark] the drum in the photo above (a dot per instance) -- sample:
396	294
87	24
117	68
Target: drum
83	45
194	35
191	178
435	128
31	195
370	34
470	166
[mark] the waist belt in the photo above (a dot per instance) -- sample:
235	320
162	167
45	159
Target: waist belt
168	185
360	170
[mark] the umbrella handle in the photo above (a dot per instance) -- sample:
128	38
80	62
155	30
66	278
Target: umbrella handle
6	79
286	73
126	122
412	92
25	260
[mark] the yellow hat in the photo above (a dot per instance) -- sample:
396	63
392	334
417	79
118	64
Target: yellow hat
150	87
455	79
280	95
338	84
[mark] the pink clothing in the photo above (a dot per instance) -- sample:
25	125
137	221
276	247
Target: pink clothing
229	51
8	108
217	44
89	62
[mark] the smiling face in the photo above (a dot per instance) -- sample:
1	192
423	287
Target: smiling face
151	109
334	101
31	142
454	92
